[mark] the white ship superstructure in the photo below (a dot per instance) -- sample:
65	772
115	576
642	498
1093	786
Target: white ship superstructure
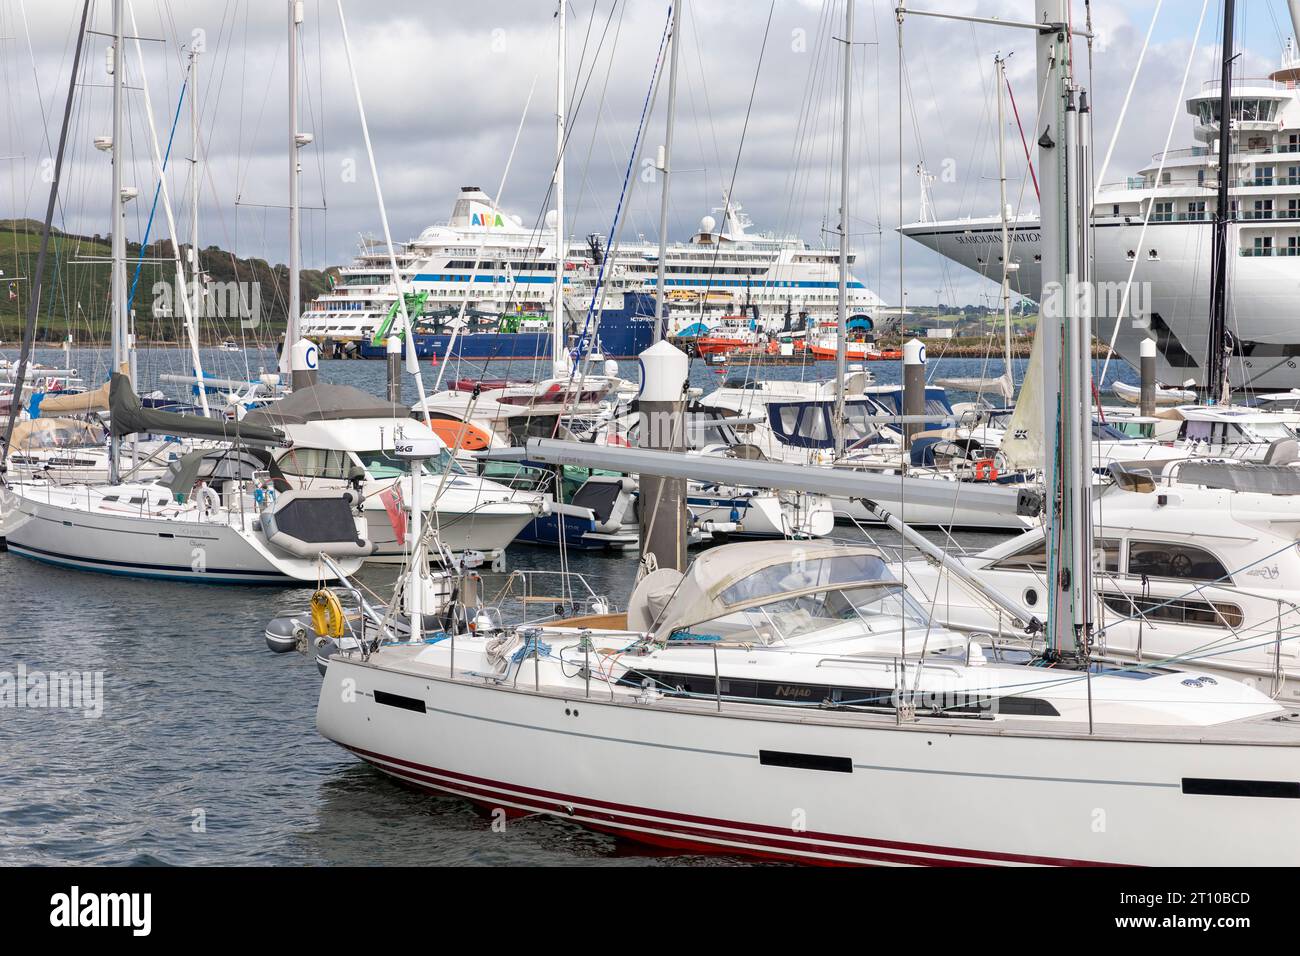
493	264
1170	297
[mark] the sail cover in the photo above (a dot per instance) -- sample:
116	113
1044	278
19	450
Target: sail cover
78	403
980	386
1022	447
131	418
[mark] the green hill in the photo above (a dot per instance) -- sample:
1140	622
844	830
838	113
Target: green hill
75	290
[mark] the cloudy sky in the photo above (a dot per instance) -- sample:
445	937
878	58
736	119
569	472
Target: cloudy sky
445	85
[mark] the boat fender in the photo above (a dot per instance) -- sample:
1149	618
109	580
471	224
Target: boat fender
326	614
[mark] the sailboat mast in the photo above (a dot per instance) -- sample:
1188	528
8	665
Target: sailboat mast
194	183
842	308
1064	329
119	330
1006	231
557	306
665	170
295	267
1216	365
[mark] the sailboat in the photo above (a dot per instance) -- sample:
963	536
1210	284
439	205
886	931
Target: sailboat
220	515
792	701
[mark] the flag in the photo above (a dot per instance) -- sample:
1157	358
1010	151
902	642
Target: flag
396	508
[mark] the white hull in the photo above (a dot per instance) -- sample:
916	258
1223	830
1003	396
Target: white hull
208	551
489	529
1261	292
934	792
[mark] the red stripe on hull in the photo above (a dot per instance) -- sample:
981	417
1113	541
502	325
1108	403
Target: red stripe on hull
686	829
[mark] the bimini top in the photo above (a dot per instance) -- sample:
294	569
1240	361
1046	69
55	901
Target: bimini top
215	465
734	577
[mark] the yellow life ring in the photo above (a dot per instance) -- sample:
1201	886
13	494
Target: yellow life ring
326	614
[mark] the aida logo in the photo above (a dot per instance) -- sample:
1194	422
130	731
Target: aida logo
486	219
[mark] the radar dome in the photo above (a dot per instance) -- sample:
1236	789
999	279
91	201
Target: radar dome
552	217
707	224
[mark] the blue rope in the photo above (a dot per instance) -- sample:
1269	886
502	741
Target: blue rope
135	279
532	645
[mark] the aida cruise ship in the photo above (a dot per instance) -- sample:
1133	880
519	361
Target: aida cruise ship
1171	262
491	276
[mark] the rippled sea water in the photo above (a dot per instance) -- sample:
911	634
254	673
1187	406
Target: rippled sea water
206	751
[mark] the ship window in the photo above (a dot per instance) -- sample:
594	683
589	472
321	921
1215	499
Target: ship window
1161	559
315	463
381	464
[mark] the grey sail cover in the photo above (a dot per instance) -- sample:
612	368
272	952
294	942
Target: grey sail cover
319	403
132	418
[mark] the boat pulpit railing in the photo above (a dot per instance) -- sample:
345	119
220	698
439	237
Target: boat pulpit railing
557	594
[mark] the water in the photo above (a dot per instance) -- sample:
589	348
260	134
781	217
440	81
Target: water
206	751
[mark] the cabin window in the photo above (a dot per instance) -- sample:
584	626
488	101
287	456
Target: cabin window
1161	559
1178	611
1105	554
315	463
1033	557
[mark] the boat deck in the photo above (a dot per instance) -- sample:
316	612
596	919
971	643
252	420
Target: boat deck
1282	730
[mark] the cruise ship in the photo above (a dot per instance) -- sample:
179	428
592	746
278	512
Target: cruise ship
1170	299
488	277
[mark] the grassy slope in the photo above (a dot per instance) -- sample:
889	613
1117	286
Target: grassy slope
75	292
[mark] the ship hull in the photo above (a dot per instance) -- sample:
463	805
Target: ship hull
1170	294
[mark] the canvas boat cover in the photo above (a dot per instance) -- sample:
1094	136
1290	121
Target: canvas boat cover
40	433
319	403
734	577
79	403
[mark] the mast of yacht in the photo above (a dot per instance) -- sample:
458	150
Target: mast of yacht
561	368
842	305
1065	330
1009	388
665	170
119	330
295	169
1216	365
188	304
195	271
